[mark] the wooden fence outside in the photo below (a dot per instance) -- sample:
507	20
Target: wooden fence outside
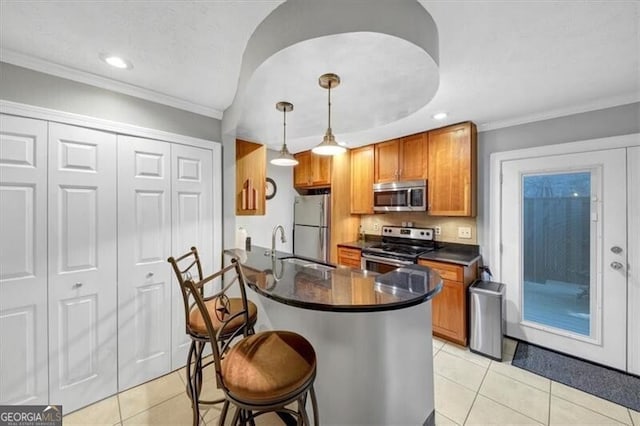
556	239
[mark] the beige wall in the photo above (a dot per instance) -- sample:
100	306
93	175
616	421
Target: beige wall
449	225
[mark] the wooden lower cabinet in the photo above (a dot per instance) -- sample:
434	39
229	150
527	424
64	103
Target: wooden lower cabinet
450	307
349	256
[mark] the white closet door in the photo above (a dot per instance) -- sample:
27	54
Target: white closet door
82	265
144	244
23	261
192	218
633	277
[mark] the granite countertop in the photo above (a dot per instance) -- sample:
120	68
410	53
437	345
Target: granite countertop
460	254
328	287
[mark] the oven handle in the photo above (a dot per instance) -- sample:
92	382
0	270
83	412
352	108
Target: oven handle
394	262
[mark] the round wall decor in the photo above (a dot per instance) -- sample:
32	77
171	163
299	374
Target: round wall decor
270	188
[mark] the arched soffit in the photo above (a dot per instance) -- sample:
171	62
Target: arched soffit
295	21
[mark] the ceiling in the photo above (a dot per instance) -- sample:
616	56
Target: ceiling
500	63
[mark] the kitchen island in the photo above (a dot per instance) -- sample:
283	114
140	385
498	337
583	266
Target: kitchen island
371	333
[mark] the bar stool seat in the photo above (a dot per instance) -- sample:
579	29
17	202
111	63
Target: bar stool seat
198	326
268	366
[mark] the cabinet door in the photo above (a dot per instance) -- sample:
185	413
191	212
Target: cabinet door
192	225
452	175
82	266
320	170
23	261
144	276
362	180
301	172
448	317
413	164
386	161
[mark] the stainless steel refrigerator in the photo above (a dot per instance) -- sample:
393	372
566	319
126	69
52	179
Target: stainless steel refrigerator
311	217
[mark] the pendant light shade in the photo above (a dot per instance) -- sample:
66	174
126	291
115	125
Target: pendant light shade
284	158
329	146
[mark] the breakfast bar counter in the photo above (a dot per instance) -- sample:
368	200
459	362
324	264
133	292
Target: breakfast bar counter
371	333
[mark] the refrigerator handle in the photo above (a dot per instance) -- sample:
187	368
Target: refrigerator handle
320	242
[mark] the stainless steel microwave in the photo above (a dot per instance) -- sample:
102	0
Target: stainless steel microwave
407	196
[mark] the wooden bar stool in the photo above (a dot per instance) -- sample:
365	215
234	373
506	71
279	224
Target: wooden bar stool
185	267
263	372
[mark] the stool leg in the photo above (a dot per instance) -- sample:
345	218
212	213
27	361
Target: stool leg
223	415
314	405
188	370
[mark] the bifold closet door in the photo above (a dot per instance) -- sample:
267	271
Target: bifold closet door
82	266
23	261
192	225
144	244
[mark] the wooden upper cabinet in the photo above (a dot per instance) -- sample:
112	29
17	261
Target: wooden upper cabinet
452	172
251	177
362	180
414	156
312	170
387	155
402	159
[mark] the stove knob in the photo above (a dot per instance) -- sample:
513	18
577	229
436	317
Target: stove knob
422	233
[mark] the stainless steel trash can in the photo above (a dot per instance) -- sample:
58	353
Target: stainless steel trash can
486	304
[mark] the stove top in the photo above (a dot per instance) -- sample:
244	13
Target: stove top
400	249
406	243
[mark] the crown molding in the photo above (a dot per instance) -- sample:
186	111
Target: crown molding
611	102
46	67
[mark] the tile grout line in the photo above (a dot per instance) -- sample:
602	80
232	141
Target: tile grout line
119	408
512	409
486	371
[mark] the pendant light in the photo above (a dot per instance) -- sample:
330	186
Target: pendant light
329	146
285	158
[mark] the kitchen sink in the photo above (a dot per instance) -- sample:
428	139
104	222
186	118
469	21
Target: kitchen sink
307	263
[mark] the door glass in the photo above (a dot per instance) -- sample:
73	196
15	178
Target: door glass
556	250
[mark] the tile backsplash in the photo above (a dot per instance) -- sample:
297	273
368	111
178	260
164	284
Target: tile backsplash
372	225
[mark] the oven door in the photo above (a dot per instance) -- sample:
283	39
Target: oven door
381	264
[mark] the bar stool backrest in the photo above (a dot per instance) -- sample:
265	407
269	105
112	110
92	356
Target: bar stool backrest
185	267
221	337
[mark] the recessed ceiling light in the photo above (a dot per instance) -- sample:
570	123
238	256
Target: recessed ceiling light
116	62
440	116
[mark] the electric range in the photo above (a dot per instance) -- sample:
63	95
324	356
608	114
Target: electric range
400	246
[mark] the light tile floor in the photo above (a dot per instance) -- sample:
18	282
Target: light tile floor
469	390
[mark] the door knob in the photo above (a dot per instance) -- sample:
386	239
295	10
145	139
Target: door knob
616	265
77	285
616	249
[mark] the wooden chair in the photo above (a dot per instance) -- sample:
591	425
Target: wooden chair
263	372
185	267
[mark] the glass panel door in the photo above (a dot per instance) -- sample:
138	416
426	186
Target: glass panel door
563	222
557	247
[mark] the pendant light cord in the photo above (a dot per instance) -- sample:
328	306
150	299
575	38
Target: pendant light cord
329	104
284	130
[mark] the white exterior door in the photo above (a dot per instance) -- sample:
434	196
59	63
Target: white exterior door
564	248
82	265
192	225
144	244
23	261
633	168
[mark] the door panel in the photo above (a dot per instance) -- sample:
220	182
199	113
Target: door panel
144	244
23	260
633	163
192	225
82	272
550	309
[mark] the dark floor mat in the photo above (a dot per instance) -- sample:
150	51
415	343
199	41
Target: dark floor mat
612	385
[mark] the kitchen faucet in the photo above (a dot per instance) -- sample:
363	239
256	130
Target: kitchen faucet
273	238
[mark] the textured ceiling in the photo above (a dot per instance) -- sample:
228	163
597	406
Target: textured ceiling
500	62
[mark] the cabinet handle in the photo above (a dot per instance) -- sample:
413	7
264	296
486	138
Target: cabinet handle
150	274
77	285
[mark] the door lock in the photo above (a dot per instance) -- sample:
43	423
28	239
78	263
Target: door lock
616	249
616	265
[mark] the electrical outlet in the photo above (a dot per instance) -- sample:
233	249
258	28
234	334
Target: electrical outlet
464	232
376	226
438	230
